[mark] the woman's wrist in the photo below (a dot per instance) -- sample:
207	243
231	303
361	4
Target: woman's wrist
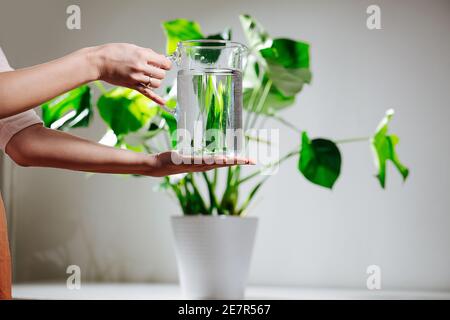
152	166
142	163
93	60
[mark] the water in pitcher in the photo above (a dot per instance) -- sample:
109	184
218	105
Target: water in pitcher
209	111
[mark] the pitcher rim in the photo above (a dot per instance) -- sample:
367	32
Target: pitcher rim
221	43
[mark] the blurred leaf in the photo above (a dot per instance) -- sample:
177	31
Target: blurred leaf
256	36
224	35
153	127
274	101
176	187
320	161
230	197
212	195
164	185
211	55
171	126
180	30
288	65
251	195
287	53
252	75
137	148
70	110
195	202
384	145
125	110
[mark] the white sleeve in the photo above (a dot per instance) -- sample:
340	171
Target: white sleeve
11	125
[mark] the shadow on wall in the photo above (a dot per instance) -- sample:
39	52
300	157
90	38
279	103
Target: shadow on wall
50	259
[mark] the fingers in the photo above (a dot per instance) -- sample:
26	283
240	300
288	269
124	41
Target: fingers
150	94
148	75
154	72
158	60
226	161
212	161
206	167
146	81
172	162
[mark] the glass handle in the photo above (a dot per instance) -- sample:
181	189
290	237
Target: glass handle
173	58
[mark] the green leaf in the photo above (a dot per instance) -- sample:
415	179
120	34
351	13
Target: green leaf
171	126
256	36
230	197
287	53
211	55
251	195
274	101
320	161
182	30
252	75
196	204
213	202
224	35
134	148
384	145
179	30
70	110
288	65
125	110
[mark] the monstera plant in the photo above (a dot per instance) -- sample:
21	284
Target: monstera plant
276	71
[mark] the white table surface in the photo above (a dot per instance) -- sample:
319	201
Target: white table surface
171	291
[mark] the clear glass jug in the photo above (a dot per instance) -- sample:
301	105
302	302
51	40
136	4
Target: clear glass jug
209	96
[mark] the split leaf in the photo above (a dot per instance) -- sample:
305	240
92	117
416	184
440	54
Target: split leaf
320	161
383	145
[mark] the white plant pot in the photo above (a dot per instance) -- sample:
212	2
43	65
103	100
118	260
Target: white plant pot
213	255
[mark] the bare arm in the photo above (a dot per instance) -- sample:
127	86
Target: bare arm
120	64
41	147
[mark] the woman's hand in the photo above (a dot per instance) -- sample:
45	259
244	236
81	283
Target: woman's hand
171	162
37	146
128	65
117	63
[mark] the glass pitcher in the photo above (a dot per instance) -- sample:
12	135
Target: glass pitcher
209	97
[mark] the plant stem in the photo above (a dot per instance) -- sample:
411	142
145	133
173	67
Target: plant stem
212	197
215	177
257	139
251	104
196	190
287	123
178	194
147	148
359	139
279	161
261	101
227	191
262	122
253	97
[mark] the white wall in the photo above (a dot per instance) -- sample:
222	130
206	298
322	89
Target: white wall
116	228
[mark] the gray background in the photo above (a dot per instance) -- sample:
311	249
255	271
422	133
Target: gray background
117	228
